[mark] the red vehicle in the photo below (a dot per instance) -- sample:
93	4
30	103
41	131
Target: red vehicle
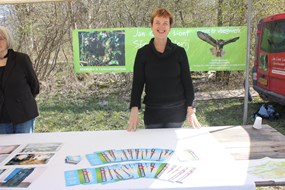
268	73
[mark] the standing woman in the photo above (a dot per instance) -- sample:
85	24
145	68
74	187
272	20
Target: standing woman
162	70
18	88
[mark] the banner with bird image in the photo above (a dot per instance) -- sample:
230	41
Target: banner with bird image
114	49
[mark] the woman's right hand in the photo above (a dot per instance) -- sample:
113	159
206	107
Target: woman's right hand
134	119
192	119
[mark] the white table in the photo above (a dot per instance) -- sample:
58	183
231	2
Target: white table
215	168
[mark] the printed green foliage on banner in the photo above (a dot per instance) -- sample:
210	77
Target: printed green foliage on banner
114	50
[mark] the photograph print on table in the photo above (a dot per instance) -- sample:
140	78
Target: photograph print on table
30	159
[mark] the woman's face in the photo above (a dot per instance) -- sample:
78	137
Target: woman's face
160	27
3	43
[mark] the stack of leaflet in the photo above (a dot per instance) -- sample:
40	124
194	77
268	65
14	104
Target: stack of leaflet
73	159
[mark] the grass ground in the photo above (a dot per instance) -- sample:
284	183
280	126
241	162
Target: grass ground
75	113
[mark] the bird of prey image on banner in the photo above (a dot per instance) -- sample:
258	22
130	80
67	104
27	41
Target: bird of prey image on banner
218	45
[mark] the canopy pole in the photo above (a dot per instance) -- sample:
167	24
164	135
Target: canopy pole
245	112
29	1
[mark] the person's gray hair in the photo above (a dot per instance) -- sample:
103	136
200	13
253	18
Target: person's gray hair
7	35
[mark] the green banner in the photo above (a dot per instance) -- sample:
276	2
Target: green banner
114	50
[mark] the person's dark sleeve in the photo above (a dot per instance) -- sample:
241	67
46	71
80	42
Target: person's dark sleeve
32	77
138	80
186	79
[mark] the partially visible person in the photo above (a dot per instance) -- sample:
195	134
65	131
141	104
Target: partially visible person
18	88
162	70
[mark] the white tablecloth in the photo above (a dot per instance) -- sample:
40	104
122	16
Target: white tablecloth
215	169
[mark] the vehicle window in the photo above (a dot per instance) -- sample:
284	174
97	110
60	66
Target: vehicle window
273	36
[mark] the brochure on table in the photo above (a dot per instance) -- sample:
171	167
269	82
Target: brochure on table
23	164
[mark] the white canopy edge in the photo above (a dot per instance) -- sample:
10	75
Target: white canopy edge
28	1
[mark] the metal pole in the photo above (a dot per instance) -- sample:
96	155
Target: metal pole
249	6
